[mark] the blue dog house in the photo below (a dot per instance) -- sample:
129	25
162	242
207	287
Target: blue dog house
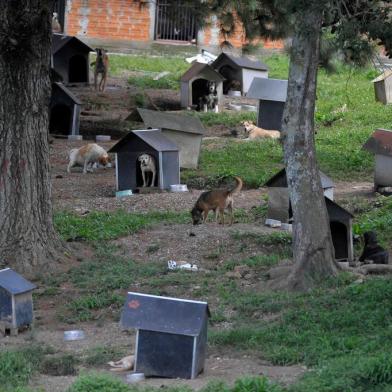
171	334
16	302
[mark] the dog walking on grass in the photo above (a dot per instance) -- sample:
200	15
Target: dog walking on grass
216	200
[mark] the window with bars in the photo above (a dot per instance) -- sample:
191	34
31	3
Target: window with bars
175	21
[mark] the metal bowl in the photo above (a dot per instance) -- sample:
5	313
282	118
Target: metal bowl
249	108
133	378
74	335
233	106
178	188
234	93
103	138
125	193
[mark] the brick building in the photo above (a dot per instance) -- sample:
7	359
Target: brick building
139	24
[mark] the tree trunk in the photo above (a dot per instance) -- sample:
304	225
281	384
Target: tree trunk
28	240
312	243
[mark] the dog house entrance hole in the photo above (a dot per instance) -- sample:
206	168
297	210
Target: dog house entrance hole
77	69
339	239
232	81
60	120
139	177
199	89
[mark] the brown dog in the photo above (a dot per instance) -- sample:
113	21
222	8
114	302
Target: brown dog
217	200
101	68
255	132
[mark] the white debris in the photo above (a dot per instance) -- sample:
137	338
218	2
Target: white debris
181	265
204	57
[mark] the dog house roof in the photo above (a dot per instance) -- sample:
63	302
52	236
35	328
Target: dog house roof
175	121
202	70
380	142
383	76
280	180
240	61
332	205
14	283
60	40
164	314
268	89
66	92
153	137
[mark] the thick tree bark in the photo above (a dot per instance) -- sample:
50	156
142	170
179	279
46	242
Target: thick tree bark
312	243
28	240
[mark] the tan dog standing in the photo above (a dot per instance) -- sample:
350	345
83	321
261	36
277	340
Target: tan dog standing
147	164
101	68
216	200
255	132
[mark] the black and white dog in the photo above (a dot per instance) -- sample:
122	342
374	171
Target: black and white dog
209	101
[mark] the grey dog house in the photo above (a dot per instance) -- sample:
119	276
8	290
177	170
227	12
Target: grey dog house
64	111
380	144
183	130
272	95
147	141
16	302
70	58
194	85
239	69
171	334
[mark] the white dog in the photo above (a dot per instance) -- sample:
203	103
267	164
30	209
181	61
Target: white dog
147	164
87	156
255	132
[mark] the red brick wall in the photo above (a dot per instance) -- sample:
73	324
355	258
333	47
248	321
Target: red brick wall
112	20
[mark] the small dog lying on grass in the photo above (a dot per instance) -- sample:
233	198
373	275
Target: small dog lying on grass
216	200
87	156
259	133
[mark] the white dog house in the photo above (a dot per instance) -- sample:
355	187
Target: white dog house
184	130
194	85
239	70
380	144
383	87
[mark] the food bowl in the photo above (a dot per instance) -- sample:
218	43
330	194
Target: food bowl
249	108
74	335
133	378
125	193
103	138
234	106
178	188
234	93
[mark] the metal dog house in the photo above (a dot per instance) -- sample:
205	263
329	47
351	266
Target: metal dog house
272	94
16	301
64	114
183	130
239	69
70	58
171	334
154	143
380	144
194	84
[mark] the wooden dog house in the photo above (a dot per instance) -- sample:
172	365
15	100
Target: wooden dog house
171	334
70	58
380	144
239	69
194	85
16	301
64	113
383	87
154	143
272	94
183	130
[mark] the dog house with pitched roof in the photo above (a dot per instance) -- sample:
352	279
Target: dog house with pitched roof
171	334
239	69
383	87
380	144
183	130
64	111
70	58
16	301
272	95
147	141
194	85
278	195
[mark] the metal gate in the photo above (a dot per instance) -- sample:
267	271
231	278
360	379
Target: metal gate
59	7
175	21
